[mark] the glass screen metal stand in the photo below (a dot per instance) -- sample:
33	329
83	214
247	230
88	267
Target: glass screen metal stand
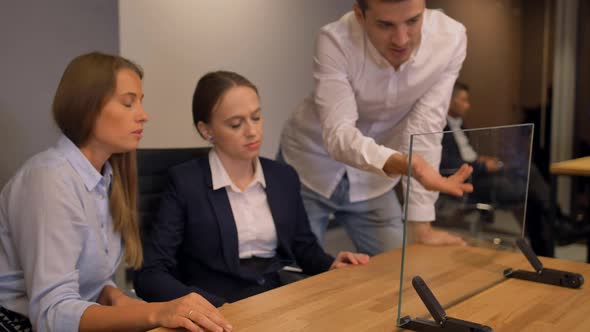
541	274
441	321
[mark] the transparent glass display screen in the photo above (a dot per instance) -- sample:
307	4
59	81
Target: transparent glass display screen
489	219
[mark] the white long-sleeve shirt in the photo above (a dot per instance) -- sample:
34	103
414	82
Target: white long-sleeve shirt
362	110
257	234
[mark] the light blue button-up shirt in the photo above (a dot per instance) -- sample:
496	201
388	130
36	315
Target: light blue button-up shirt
58	249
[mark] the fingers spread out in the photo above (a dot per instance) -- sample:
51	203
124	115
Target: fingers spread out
212	313
462	174
454	190
349	257
340	265
456	183
467	187
205	315
203	321
218	319
362	258
468	169
346	258
189	325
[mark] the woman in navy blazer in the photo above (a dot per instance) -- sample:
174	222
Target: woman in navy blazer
228	223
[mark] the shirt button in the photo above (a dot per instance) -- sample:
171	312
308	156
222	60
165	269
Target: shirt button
261	281
101	196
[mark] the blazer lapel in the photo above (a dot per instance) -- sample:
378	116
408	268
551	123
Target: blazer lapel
227	226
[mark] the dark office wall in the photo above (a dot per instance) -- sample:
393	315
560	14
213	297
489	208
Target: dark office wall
504	64
582	112
37	40
534	23
492	66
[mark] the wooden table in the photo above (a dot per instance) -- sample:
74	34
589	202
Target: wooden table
467	281
574	167
366	298
517	305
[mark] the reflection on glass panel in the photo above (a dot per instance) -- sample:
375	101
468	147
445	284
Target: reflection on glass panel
494	213
490	219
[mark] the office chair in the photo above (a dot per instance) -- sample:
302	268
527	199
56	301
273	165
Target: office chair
152	172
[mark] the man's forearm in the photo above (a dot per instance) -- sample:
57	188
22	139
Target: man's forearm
396	164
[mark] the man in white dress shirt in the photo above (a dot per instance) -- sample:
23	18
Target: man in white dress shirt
383	71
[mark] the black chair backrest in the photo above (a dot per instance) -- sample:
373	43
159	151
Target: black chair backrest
152	170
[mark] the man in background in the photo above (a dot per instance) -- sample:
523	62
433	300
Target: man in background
494	184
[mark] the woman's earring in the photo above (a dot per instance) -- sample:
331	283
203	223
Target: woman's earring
210	139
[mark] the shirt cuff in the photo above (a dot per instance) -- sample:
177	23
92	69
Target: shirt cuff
108	282
67	316
379	158
421	213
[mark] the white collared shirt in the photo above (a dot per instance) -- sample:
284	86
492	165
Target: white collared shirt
257	235
466	151
362	110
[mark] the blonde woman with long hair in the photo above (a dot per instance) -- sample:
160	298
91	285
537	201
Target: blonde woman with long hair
68	216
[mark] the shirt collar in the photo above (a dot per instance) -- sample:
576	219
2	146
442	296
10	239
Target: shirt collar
221	179
454	123
90	176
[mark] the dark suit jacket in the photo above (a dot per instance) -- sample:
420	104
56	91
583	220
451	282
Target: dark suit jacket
193	246
451	158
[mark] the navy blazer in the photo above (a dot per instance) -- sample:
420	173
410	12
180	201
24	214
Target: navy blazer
193	246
